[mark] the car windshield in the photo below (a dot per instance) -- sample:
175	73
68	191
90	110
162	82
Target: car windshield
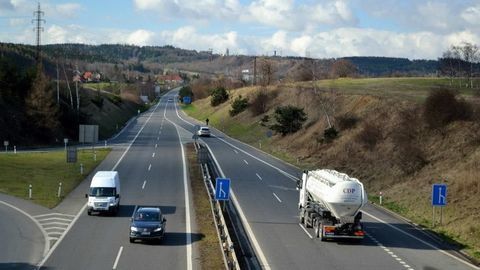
147	216
102	191
205	129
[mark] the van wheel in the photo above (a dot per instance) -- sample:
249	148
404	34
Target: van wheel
89	212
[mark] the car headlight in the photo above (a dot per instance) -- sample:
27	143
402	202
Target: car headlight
159	229
133	229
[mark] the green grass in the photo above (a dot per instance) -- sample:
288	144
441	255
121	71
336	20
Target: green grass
415	89
44	171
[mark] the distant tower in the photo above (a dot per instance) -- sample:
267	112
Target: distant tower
38	28
227	53
210	53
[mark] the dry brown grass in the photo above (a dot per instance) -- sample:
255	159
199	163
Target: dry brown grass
406	160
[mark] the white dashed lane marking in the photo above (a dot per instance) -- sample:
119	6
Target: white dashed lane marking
144	182
277	197
245	161
259	176
149	167
153	155
236	152
389	252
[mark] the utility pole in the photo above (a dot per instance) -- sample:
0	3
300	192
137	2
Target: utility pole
77	78
255	70
38	28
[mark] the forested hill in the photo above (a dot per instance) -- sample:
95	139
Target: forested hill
390	66
122	54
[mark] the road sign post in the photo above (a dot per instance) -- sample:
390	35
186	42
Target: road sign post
439	199
222	189
6	143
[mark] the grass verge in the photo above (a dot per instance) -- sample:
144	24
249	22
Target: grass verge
44	171
210	254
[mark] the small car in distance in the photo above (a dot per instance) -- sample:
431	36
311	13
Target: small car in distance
203	131
147	223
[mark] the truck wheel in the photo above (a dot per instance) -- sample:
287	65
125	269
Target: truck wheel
317	229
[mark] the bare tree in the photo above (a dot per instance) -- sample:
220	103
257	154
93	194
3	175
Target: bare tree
470	55
343	68
267	72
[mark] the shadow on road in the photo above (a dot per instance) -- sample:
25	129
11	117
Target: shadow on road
127	210
20	266
175	239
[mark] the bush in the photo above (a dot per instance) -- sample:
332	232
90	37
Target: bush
347	121
289	119
219	95
442	107
369	135
264	120
259	103
238	105
330	134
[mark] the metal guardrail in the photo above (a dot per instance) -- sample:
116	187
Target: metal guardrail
226	243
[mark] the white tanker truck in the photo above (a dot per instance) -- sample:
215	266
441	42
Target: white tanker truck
330	202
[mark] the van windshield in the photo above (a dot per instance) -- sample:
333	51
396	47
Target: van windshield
102	191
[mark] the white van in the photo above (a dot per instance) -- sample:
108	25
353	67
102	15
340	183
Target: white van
104	193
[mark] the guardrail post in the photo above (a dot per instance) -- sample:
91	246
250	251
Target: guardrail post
30	191
14	149
81	168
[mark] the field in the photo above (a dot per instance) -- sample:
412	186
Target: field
44	171
403	170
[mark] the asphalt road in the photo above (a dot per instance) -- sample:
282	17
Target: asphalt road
264	187
151	174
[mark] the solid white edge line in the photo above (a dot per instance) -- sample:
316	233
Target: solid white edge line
422	241
277	197
246	224
46	246
77	216
187	197
118	258
305	230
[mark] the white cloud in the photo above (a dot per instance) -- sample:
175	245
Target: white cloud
140	37
472	15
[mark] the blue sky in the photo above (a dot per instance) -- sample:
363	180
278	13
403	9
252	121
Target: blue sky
320	28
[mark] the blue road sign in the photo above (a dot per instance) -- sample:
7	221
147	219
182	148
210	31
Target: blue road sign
187	100
222	189
439	194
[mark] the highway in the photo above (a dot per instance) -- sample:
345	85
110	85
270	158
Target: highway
264	187
148	156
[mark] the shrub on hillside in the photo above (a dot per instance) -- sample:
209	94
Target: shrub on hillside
259	102
408	155
442	107
239	104
330	134
289	119
347	121
219	95
369	136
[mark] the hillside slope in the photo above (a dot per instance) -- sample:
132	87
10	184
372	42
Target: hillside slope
383	140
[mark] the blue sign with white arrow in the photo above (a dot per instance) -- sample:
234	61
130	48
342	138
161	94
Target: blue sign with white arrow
439	194
222	189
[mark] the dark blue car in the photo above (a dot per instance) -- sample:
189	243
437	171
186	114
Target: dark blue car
147	223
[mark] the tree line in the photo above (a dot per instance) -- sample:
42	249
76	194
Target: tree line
461	62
